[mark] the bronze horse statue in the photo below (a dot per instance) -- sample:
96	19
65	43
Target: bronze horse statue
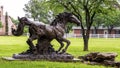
53	31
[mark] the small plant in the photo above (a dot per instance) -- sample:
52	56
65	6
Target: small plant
0	24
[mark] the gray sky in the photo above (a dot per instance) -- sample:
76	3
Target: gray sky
14	7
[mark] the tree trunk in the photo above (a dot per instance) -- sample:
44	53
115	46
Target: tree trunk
85	39
96	30
109	31
110	28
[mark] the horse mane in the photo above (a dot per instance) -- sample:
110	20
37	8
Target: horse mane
56	20
59	18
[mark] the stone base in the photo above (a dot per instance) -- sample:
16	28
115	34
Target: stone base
69	60
98	58
10	58
51	57
95	58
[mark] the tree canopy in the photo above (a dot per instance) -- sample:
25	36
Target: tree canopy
38	10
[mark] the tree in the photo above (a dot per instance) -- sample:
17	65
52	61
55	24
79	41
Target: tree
6	23
109	20
98	21
112	20
38	10
85	10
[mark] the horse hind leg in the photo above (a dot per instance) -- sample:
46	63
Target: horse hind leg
31	45
29	42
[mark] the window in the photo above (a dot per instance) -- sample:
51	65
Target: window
117	31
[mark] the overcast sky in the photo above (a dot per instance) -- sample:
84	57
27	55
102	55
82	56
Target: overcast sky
14	7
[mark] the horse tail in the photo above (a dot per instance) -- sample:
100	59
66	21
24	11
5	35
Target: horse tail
19	30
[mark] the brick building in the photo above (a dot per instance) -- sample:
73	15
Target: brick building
100	30
6	23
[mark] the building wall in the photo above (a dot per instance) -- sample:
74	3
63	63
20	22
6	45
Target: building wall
2	31
100	31
77	31
10	24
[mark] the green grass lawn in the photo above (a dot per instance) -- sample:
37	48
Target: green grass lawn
10	45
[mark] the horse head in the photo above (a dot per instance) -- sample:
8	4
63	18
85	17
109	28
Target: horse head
66	17
72	18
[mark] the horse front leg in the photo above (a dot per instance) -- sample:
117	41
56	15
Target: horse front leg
61	40
68	43
31	45
61	43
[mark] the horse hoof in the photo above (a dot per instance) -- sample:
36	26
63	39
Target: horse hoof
35	53
56	51
63	51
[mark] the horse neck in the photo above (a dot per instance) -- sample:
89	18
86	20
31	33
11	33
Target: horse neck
62	25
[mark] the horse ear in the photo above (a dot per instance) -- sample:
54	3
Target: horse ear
18	18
